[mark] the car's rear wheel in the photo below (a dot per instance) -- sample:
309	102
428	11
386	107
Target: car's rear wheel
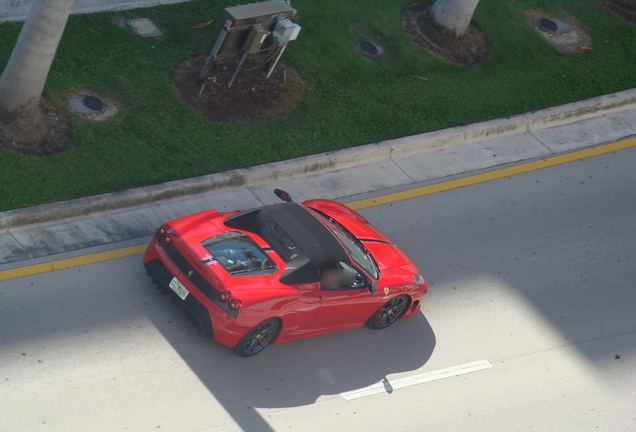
389	313
258	338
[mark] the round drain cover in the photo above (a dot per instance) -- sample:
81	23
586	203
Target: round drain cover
93	103
368	47
553	25
547	24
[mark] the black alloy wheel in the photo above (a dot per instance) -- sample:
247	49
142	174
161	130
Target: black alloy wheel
258	338
389	313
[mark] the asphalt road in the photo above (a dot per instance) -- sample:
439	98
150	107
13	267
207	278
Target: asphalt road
531	276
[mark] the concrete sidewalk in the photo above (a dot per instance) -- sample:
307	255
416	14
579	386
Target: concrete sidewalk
401	163
17	10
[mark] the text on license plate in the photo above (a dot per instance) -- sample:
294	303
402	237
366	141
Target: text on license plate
179	288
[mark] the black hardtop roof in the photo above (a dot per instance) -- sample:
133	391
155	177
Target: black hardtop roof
316	242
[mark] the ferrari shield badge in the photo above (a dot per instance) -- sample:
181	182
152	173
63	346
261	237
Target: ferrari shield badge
386	291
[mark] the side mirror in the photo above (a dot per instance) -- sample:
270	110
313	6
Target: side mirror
372	288
285	196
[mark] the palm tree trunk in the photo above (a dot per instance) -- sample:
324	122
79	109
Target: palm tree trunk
23	79
455	15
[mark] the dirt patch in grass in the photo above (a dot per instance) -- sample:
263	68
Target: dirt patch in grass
625	9
48	138
253	97
574	40
420	25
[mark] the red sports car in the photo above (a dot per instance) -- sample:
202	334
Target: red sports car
283	272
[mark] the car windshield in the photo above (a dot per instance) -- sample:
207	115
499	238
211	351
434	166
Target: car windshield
239	254
352	244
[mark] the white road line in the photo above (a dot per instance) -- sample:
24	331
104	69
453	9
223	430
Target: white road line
386	386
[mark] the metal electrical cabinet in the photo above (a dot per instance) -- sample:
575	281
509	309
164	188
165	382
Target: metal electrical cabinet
235	23
251	31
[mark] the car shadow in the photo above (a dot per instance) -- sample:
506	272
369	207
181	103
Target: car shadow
297	373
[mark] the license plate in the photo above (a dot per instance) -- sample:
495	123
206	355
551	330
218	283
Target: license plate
179	288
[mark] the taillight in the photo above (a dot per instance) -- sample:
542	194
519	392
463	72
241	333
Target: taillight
164	235
224	296
235	304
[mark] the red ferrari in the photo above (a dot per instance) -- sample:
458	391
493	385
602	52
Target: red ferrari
283	272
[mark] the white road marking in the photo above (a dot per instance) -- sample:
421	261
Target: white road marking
386	386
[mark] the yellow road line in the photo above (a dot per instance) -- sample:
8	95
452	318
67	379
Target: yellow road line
71	262
492	175
370	202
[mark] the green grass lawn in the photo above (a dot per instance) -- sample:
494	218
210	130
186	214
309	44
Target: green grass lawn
353	99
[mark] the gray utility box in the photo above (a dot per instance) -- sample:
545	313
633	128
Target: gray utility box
285	31
245	29
255	39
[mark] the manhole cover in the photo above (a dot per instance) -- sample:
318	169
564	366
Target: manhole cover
370	47
86	104
93	108
553	25
93	103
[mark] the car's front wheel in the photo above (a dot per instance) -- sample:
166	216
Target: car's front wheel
258	338
389	313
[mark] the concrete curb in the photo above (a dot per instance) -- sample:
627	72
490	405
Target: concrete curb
323	162
79	9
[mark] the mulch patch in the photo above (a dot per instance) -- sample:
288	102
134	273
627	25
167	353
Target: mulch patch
253	97
625	9
21	138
